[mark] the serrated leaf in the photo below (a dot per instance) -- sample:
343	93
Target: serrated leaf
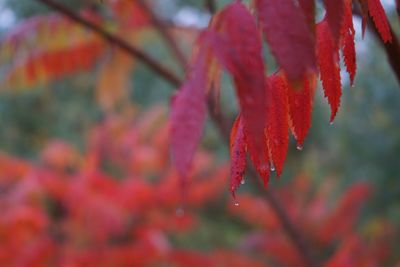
300	108
277	125
328	62
378	15
334	17
238	154
242	57
288	34
348	45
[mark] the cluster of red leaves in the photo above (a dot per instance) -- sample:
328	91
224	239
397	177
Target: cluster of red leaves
67	210
115	205
270	105
326	226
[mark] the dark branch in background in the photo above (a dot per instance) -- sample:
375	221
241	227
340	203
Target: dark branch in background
211	6
392	49
163	30
221	122
115	40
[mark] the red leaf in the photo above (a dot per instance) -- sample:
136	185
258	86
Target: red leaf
308	7
334	17
238	154
328	61
300	109
288	34
242	56
379	17
277	129
348	46
364	14
187	119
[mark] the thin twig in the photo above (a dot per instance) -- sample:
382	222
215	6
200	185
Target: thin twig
163	30
117	41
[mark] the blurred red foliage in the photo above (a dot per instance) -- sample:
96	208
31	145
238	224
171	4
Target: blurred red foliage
117	204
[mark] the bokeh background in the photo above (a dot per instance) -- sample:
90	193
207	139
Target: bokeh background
85	176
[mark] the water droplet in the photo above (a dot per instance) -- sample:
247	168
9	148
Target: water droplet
331	123
272	167
243	181
299	147
180	212
236	204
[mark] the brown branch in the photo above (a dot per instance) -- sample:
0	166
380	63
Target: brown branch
218	118
117	41
163	30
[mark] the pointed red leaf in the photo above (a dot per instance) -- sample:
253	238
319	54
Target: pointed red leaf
289	36
328	61
334	17
380	20
348	45
300	109
277	129
242	56
187	119
364	15
238	154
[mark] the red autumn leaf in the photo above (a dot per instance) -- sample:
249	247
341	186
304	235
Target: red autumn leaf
277	130
242	56
328	61
348	45
334	17
238	154
380	20
289	36
300	109
187	119
364	14
308	7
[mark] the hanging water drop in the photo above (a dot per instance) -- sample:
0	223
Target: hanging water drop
272	167
236	204
331	123
299	147
243	181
